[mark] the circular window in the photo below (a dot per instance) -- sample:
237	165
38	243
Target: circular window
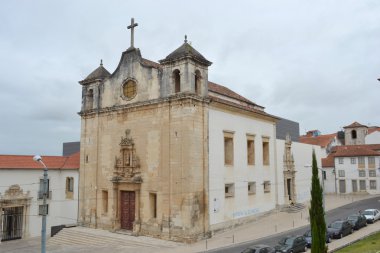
129	89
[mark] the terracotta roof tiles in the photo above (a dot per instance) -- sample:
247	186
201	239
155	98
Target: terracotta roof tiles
355	124
320	140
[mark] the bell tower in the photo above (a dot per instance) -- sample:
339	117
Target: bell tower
185	70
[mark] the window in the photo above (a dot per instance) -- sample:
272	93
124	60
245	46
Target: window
362	185
372	173
153	204
250	150
251	188
228	149
266	186
129	89
177	81
341	173
324	175
340	160
41	191
361	173
353	160
41	210
372	184
361	162
69	184
229	190
371	162
353	134
90	100
197	82
86	158
105	201
265	151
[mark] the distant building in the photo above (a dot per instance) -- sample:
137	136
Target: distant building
325	141
21	181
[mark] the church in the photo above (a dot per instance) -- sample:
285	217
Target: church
167	153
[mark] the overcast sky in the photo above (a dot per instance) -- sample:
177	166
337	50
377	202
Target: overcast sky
314	62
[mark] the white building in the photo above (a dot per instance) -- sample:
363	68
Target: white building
21	199
353	169
373	136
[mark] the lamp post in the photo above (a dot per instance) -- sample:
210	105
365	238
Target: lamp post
38	158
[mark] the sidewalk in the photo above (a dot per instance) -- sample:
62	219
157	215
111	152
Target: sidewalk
277	222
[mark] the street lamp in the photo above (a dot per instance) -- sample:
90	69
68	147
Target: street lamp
38	158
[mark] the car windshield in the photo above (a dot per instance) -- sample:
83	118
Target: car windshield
308	233
287	241
353	217
337	225
368	212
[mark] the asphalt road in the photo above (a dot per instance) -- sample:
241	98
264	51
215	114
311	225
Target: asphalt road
332	215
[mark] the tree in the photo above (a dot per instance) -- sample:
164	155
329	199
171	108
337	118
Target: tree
316	212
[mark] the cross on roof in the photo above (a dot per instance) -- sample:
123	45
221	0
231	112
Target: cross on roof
132	27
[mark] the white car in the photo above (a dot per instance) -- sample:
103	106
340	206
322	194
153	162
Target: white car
371	215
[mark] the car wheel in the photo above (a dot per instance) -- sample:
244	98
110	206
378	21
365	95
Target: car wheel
291	251
340	235
352	230
305	249
328	239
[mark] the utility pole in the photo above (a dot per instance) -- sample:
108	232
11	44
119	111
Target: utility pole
38	158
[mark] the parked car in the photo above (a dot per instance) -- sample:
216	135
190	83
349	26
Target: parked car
292	244
261	248
357	221
307	237
371	215
338	229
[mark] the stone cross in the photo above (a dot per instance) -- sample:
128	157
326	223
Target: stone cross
132	27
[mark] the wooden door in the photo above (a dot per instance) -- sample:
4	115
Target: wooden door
342	186
127	209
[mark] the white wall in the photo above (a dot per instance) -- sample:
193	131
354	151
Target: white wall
302	154
352	173
373	138
224	209
61	210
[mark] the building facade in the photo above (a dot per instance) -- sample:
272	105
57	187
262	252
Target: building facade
21	195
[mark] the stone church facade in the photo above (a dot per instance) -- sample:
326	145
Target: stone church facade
169	154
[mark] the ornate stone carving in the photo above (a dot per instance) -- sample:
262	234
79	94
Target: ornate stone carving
127	165
15	192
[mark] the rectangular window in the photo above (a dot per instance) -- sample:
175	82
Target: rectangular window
105	201
340	160
361	173
371	162
341	173
361	162
353	160
229	190
324	175
372	184
362	185
265	151
251	188
153	204
69	184
228	148
266	186
372	173
41	210
250	150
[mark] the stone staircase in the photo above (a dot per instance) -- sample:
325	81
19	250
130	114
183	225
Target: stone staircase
295	208
81	236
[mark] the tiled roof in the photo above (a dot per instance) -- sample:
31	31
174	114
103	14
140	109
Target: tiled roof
374	147
99	73
355	124
328	161
373	129
320	140
186	50
355	150
51	162
150	63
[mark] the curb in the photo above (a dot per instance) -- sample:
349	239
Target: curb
354	241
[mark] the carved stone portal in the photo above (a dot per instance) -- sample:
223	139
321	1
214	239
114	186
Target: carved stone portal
127	165
289	172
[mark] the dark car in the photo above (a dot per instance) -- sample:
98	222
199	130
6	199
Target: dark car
307	237
357	221
261	248
291	244
338	229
